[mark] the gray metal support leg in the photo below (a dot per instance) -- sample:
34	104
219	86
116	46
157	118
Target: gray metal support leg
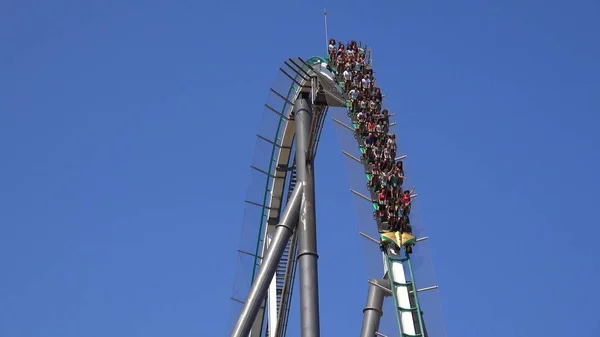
259	320
374	308
307	232
258	291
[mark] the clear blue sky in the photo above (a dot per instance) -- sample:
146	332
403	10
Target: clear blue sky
127	128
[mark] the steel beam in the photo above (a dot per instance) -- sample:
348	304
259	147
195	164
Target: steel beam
307	233
347	154
258	291
342	124
374	308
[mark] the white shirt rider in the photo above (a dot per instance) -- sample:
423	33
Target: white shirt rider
347	75
365	82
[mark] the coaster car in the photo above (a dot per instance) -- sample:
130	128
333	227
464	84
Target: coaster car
397	238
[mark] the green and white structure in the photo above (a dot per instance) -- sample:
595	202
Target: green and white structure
283	228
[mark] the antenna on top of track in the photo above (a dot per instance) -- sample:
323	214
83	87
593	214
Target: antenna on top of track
326	36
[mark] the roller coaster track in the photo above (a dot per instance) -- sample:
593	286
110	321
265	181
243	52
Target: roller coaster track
305	77
312	79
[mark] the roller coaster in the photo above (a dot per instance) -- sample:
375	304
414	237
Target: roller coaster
284	213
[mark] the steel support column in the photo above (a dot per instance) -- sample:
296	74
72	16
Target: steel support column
258	321
374	308
258	291
307	232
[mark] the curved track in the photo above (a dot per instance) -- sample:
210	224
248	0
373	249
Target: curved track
303	76
308	78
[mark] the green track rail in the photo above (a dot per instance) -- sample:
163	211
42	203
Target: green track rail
276	140
272	160
262	221
409	283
